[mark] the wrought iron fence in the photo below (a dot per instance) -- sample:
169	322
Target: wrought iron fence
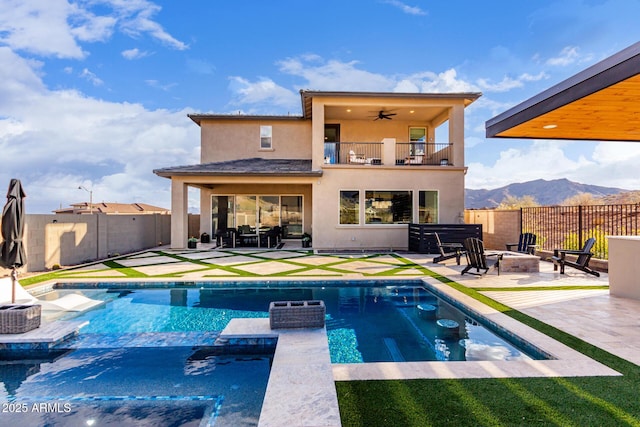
369	153
568	227
423	153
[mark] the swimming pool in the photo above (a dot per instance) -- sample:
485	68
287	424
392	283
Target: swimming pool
167	386
364	323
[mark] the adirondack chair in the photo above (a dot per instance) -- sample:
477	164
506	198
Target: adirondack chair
477	258
581	263
448	250
526	244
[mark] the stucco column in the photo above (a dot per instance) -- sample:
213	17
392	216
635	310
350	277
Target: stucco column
456	134
317	135
179	214
205	212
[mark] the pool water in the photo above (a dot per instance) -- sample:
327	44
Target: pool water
364	324
168	386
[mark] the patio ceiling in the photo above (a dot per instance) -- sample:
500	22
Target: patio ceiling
417	107
600	103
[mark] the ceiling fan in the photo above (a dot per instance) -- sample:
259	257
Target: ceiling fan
383	115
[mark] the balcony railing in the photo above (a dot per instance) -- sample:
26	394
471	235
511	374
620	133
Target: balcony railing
356	153
423	153
372	153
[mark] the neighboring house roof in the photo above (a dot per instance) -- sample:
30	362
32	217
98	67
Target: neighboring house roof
245	167
113	208
599	103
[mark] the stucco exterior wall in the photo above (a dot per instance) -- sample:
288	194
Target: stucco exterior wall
226	140
74	239
328	233
376	131
499	227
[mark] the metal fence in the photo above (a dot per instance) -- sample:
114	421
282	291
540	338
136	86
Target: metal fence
568	227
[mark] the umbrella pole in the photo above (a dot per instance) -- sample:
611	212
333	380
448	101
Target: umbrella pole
14	279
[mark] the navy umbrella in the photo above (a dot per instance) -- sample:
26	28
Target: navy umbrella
12	254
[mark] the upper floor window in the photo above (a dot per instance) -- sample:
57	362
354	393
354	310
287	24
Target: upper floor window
266	138
418	139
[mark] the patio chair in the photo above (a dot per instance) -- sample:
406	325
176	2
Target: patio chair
271	238
448	250
582	261
356	158
414	160
526	244
477	258
226	238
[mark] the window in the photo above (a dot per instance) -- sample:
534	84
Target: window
428	207
388	207
418	138
349	207
265	138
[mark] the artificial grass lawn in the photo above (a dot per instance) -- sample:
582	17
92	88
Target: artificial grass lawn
578	401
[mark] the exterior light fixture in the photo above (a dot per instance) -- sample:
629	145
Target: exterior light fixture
81	187
551	126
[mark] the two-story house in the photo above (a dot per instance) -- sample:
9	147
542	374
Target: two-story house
353	170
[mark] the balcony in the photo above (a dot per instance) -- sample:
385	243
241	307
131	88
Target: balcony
423	153
354	153
373	153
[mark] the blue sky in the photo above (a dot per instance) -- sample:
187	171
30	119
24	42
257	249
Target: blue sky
97	92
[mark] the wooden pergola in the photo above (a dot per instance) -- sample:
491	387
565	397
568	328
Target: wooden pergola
601	103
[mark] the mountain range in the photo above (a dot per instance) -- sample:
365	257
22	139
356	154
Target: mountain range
546	193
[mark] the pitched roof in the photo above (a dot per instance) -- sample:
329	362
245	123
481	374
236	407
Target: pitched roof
306	96
255	166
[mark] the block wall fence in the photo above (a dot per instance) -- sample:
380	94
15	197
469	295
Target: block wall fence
65	240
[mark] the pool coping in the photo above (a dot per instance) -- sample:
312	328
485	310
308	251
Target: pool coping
301	390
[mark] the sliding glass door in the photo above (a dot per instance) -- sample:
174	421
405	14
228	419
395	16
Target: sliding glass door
291	208
269	211
222	213
249	213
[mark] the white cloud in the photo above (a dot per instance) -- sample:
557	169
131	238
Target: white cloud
509	83
39	27
56	27
134	53
135	19
334	75
56	139
157	85
430	82
91	77
264	93
568	56
515	165
411	10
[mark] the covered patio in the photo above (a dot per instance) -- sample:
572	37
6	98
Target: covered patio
249	197
601	104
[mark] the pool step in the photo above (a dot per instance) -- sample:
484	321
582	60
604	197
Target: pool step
394	350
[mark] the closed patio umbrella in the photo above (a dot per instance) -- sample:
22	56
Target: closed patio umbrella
12	253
